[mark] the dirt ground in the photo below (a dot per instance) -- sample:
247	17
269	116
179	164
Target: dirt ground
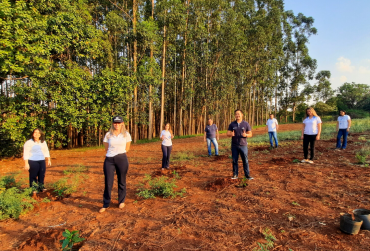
300	203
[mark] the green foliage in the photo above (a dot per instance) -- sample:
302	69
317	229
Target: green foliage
159	186
71	238
7	182
182	156
269	237
296	161
76	169
295	203
362	154
15	202
67	185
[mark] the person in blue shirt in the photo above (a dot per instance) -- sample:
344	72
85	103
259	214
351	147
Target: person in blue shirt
239	130
211	135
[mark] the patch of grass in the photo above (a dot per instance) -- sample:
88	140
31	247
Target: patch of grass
160	186
181	156
269	237
362	154
68	185
84	149
362	138
7	182
76	169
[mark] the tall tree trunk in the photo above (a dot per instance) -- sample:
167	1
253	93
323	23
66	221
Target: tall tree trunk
163	75
135	133
150	133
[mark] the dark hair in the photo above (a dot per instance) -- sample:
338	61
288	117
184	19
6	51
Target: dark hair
164	127
271	114
42	135
342	111
238	110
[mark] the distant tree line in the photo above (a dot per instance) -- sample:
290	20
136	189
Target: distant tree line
68	66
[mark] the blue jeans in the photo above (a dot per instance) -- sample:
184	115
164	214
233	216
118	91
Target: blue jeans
344	133
273	134
214	142
243	151
166	156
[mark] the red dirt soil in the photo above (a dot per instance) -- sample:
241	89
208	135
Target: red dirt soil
214	214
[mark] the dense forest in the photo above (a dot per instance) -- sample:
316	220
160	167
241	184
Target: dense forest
68	66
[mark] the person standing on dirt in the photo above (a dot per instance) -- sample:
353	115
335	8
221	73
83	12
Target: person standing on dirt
166	137
116	143
311	132
239	130
343	125
211	135
35	151
272	126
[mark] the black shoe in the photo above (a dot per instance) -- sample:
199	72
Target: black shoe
276	146
217	155
343	149
249	177
209	155
235	177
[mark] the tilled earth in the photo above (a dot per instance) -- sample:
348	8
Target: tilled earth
299	203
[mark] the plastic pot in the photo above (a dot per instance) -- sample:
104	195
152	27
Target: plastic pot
364	215
348	225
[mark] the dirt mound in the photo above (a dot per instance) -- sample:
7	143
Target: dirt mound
261	148
221	157
282	160
220	183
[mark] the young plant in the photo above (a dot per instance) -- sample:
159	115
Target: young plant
159	186
269	237
71	238
7	182
15	202
295	203
296	161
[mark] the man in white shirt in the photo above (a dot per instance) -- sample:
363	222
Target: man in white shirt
343	125
272	126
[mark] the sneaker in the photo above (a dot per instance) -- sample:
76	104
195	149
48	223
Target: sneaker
343	149
310	161
122	205
102	210
209	155
337	149
249	177
235	177
304	161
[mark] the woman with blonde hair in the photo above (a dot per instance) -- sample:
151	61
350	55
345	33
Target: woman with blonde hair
311	132
166	136
116	143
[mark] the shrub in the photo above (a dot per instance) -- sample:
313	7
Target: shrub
14	202
159	186
7	182
70	239
67	185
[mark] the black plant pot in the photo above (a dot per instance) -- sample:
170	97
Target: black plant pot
364	215
349	226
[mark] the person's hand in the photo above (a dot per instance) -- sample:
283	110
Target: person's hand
218	138
244	134
49	162
172	136
233	134
302	137
204	140
347	129
318	137
27	167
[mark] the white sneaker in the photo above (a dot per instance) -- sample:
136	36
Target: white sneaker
304	161
310	161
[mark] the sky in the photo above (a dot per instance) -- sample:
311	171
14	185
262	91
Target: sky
342	44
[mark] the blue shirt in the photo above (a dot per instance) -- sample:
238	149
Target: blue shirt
211	131
238	139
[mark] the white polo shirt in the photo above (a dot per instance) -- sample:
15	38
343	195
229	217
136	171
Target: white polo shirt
271	124
167	138
117	144
35	150
311	125
343	121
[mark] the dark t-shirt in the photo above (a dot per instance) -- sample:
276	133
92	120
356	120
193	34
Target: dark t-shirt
238	139
211	131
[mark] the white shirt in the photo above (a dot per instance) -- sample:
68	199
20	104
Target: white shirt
271	124
167	140
35	150
311	125
343	121
117	144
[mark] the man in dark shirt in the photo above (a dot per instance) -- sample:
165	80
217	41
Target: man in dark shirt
239	130
210	134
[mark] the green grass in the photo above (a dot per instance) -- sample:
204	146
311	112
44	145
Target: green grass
84	149
159	186
181	156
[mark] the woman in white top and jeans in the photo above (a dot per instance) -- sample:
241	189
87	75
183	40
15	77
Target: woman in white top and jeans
117	143
35	151
311	132
166	136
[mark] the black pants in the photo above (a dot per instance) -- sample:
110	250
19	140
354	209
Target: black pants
166	156
118	163
37	172
309	139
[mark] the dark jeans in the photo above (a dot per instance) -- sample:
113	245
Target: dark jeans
166	156
273	135
37	172
344	133
118	163
309	139
243	151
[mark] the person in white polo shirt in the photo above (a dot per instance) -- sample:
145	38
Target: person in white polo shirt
311	132
166	137
343	125
116	143
35	151
272	126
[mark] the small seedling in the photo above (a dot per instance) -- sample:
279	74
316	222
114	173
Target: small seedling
135	202
70	239
296	161
45	200
269	237
176	175
243	182
295	203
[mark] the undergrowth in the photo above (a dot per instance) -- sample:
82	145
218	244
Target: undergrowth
181	156
362	154
269	237
159	186
76	169
68	185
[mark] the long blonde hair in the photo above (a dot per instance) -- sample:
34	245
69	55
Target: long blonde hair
312	110
170	130
123	129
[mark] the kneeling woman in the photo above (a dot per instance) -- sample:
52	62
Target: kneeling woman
117	143
35	151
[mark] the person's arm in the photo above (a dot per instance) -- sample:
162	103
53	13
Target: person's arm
217	135
230	133
277	125
106	146
26	155
128	144
45	151
248	134
267	128
349	124
319	131
337	126
205	136
162	137
303	125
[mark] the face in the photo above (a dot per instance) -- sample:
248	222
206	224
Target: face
117	126
271	116
238	115
36	134
167	127
309	112
210	122
341	113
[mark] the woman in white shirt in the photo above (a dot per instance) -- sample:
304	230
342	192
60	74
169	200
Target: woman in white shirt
117	143
166	136
311	132
35	151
